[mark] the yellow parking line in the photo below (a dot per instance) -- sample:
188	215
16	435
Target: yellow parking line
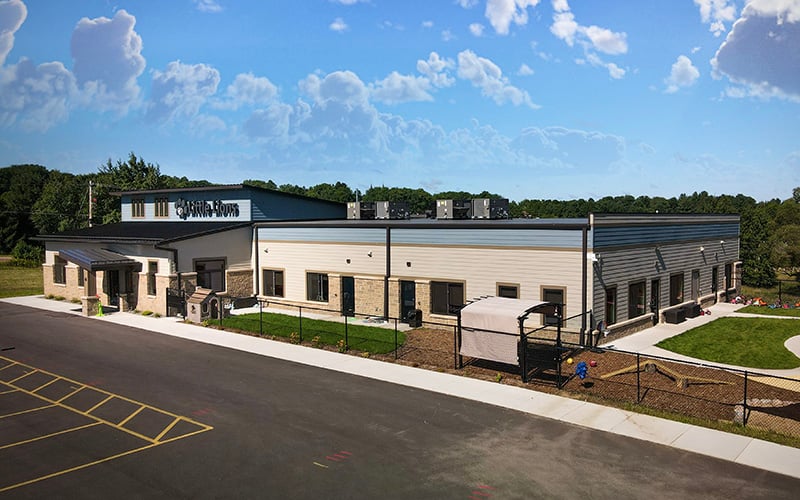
46	384
8	392
21	377
167	429
79	467
98	405
18	443
26	411
76	391
127	419
8	365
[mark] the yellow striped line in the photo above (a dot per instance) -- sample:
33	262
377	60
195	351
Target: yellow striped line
46	384
10	382
8	391
76	391
26	411
98	405
167	429
39	438
12	363
131	416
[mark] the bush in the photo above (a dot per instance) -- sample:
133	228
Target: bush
27	255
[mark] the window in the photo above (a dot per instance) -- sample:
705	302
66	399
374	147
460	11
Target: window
80	277
211	274
675	289
555	295
695	284
446	298
273	283
137	207
636	299
508	291
162	207
611	305
728	276
714	279
316	287
152	269
60	271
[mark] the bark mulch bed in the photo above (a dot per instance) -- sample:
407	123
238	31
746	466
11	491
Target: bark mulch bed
695	391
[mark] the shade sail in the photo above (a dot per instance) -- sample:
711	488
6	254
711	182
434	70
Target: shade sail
98	259
483	320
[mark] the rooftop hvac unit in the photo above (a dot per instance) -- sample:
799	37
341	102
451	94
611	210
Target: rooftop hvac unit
361	210
490	208
453	209
391	210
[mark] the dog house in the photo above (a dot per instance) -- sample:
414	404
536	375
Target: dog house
203	305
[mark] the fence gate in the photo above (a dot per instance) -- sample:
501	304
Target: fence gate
176	302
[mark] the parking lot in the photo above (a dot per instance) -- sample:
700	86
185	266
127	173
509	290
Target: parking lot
43	413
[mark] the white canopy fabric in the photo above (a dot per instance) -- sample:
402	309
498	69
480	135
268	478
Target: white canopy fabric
481	320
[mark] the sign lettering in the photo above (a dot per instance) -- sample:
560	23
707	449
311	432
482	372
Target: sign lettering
202	208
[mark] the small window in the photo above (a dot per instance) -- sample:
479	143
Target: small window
137	207
60	271
611	305
508	291
555	295
675	289
80	277
273	283
715	279
152	269
446	298
317	287
211	274
636	299
695	284
162	207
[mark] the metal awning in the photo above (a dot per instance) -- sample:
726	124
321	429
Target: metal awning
99	259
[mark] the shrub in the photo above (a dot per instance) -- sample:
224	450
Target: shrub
27	255
147	313
294	338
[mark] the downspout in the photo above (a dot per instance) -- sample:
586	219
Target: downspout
256	283
584	279
388	273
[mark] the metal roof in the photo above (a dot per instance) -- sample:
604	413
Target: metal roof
143	232
98	259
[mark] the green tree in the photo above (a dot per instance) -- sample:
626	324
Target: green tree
334	192
63	204
130	175
20	187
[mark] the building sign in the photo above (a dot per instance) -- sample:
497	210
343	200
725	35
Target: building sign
201	208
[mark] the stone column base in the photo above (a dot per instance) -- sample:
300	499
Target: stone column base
89	305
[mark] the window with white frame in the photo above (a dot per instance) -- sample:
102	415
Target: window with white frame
273	282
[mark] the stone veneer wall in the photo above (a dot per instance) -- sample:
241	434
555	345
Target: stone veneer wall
369	296
239	283
70	290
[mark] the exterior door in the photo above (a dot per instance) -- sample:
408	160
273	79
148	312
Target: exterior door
408	298
113	287
348	296
695	284
655	299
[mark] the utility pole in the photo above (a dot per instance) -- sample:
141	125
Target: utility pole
91	183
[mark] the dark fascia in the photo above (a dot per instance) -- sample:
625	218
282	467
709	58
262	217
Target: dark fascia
559	224
137	239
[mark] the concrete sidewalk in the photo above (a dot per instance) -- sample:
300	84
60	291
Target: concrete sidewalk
739	449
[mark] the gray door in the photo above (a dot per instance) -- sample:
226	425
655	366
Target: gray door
348	296
408	298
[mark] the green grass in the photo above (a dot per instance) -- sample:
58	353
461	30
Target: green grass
768	311
18	281
360	337
747	342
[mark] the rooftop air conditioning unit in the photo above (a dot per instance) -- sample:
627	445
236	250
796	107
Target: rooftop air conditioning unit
490	208
361	210
453	209
391	210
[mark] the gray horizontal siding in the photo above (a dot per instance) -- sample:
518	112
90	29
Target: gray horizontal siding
610	237
323	234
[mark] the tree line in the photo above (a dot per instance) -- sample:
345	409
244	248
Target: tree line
35	200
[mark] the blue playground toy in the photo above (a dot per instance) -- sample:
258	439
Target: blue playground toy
581	370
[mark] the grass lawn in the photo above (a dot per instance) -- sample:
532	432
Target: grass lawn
18	281
748	342
361	337
768	311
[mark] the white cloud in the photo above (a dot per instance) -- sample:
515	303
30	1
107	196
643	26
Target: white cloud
12	15
476	29
760	52
683	74
716	13
524	70
427	24
436	69
338	25
348	2
571	149
248	89
560	5
467	4
564	27
606	41
593	59
211	6
447	36
487	76
270	123
35	97
107	61
397	88
181	90
501	13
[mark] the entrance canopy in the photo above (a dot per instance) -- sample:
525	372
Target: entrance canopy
98	259
490	327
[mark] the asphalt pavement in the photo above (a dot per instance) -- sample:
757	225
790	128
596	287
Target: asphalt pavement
681	437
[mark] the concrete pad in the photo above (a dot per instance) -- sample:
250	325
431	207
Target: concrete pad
651	429
772	457
712	443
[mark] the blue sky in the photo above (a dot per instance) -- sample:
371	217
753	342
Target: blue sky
525	98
